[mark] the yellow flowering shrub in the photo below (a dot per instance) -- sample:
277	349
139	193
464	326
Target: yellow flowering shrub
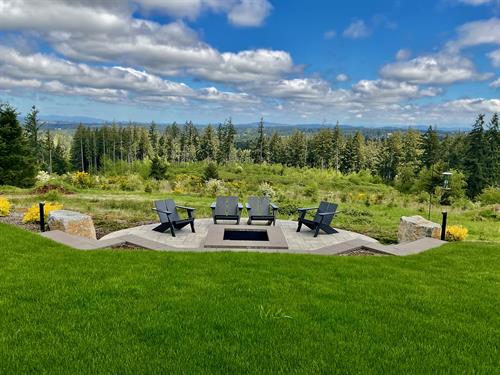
4	206
33	213
82	179
456	233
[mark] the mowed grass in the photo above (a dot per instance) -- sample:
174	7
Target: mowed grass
129	312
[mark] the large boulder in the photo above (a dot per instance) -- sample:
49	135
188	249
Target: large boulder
72	222
412	228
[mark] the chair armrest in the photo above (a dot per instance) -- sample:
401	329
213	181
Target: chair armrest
186	208
212	206
247	205
163	212
240	206
273	206
307	209
326	213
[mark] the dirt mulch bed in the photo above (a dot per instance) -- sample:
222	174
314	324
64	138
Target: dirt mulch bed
16	218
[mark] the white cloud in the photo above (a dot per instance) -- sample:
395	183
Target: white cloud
329	34
495	84
381	90
477	33
243	13
495	58
342	77
403	54
357	29
113	36
439	68
249	13
476	2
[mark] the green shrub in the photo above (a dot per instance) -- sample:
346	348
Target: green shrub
490	195
210	172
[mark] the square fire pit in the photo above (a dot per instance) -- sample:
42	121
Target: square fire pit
245	237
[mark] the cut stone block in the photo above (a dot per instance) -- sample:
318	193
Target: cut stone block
412	228
72	222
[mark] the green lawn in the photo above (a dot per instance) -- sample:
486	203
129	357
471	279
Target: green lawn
67	311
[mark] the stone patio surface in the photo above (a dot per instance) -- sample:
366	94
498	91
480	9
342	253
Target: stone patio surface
342	243
304	240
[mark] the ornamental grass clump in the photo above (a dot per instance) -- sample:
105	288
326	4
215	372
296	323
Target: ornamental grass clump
33	213
4	206
456	233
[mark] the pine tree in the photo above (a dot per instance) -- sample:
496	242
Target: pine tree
296	149
153	137
492	158
210	172
32	126
158	169
337	147
276	149
430	147
59	161
474	158
208	144
17	164
260	147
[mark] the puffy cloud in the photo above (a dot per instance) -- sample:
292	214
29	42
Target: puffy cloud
433	69
495	58
243	13
247	66
495	84
58	76
477	33
357	29
249	13
342	77
381	90
403	54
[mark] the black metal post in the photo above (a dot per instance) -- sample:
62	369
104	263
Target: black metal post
443	225
42	216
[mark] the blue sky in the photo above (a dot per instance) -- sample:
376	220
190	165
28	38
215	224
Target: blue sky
356	62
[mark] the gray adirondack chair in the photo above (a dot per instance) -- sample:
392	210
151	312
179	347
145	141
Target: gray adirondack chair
261	209
322	220
226	208
169	217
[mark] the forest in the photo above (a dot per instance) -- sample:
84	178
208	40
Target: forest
406	159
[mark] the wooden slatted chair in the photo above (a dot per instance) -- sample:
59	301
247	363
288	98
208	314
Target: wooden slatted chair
169	217
226	208
322	220
260	208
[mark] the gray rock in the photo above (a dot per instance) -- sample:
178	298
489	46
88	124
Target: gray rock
72	222
412	228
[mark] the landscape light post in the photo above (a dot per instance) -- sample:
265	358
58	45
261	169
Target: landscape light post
41	206
446	186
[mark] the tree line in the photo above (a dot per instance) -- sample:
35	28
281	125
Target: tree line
398	157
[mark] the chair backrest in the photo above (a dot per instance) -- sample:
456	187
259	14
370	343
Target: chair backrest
325	207
259	206
166	205
226	206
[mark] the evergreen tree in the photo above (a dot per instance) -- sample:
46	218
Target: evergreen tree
153	137
390	156
493	152
296	149
474	158
210	172
78	150
337	147
17	164
430	147
59	162
158	169
208	144
32	126
260	147
276	149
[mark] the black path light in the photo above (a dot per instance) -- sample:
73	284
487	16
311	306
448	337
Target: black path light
446	186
